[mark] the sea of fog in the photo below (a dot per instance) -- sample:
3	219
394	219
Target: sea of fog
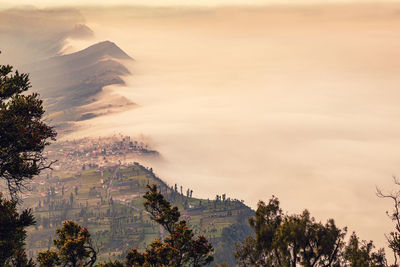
301	103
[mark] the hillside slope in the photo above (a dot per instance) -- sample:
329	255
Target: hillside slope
72	85
109	202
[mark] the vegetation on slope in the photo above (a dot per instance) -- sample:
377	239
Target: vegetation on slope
109	202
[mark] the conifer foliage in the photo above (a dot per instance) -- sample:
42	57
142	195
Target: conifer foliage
73	245
298	240
13	233
180	248
23	136
23	133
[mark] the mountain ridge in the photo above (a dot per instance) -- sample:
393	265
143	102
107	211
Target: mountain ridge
70	84
96	50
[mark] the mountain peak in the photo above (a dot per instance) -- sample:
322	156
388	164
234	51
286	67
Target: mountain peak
105	48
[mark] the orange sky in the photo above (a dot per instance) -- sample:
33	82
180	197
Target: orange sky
51	3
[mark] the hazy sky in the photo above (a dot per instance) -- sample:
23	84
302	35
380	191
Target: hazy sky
52	3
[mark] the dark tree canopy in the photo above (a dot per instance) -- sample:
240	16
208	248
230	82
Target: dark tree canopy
180	248
359	253
298	240
13	233
23	134
74	248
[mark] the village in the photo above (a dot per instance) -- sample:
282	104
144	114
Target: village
99	184
97	152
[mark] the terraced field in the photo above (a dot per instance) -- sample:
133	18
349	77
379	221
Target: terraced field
108	201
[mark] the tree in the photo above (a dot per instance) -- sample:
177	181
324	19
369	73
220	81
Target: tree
48	258
74	248
288	240
265	223
360	254
180	248
24	135
71	199
229	236
13	233
302	240
394	238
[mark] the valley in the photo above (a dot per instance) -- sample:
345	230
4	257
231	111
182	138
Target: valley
94	186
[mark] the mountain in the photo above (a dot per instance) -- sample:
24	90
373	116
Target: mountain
88	56
96	52
108	201
72	85
97	183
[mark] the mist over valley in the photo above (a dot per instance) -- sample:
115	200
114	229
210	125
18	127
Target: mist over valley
297	102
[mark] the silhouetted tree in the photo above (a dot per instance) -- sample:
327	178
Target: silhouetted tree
180	248
23	133
394	237
71	199
74	248
13	233
283	240
360	254
23	136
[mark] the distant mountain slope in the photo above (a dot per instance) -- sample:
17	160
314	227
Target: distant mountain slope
87	56
30	34
108	200
69	83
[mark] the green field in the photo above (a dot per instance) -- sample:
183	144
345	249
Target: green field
109	203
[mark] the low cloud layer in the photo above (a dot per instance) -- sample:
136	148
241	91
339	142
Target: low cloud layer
296	102
301	103
30	34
